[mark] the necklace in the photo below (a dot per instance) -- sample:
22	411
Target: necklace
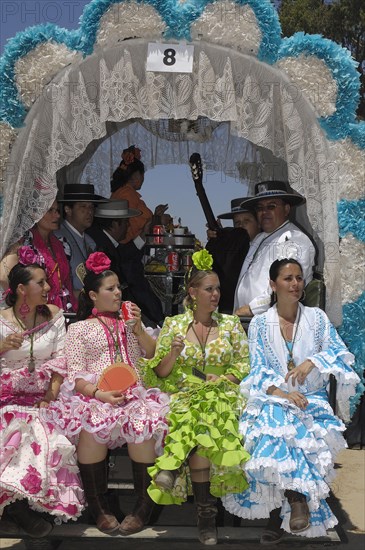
202	343
291	365
115	348
30	333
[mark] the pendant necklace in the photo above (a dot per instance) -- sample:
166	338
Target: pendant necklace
31	362
202	343
291	365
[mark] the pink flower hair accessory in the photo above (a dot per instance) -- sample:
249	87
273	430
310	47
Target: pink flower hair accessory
28	256
98	262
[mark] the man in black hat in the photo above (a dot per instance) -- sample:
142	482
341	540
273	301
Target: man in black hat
78	212
109	228
280	238
229	249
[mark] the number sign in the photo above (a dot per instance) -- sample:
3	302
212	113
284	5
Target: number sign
170	58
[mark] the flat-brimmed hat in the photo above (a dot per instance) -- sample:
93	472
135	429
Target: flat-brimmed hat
273	189
80	192
235	209
115	209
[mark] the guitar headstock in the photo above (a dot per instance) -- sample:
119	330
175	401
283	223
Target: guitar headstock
196	167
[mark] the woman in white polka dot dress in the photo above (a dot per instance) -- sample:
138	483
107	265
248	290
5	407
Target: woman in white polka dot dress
97	420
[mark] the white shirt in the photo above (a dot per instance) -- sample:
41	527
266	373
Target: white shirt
288	241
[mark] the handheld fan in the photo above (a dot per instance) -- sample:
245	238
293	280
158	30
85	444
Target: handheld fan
118	376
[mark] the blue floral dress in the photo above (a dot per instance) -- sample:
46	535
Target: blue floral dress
293	448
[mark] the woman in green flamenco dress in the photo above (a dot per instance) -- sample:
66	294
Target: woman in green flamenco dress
201	357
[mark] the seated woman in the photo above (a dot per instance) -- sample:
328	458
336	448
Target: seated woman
201	356
100	420
42	244
289	427
38	471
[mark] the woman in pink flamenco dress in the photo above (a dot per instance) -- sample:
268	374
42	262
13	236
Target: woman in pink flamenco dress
38	468
99	420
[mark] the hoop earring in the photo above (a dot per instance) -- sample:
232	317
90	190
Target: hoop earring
274	297
24	308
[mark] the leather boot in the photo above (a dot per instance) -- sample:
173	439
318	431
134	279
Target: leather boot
30	521
134	522
299	516
206	506
273	532
95	482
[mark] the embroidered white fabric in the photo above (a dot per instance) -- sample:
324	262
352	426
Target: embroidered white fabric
112	86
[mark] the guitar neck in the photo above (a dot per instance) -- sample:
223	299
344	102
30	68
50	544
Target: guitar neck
208	212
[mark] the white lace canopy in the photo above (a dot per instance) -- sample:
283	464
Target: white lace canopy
111	87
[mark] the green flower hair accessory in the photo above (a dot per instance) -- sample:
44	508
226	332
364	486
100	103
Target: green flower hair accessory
203	260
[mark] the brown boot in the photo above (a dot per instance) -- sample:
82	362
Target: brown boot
95	482
207	511
30	521
299	516
142	510
273	532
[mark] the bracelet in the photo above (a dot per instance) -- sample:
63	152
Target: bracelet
94	392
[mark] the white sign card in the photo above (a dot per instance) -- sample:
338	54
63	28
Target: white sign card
170	58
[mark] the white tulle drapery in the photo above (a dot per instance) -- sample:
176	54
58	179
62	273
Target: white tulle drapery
258	101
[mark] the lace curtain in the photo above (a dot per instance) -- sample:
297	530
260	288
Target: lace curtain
111	86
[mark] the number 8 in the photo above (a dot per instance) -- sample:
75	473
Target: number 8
169	57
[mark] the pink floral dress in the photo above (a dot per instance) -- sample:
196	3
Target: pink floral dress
142	414
36	462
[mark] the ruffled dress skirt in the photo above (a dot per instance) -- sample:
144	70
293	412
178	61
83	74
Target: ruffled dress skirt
203	417
37	462
290	449
140	417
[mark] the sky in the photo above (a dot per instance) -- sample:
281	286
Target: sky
17	15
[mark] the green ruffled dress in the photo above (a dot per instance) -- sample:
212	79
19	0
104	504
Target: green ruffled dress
202	414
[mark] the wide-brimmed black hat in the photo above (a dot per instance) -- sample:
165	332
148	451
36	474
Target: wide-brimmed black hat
80	192
115	209
235	209
273	189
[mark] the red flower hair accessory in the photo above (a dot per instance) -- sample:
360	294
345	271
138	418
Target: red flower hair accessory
98	262
130	155
28	256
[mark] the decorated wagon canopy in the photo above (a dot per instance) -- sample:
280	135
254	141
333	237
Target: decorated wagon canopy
242	93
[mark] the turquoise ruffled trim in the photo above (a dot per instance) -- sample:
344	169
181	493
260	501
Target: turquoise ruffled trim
352	331
357	134
344	71
12	109
351	218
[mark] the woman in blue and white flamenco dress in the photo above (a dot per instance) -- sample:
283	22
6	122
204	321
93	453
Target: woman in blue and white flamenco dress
289	427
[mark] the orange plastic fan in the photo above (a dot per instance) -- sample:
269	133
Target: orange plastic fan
118	376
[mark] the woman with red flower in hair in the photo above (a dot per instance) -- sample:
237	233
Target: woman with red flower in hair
98	419
127	180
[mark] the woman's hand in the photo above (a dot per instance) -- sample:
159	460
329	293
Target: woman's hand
300	373
137	315
12	341
114	397
212	377
177	345
298	399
